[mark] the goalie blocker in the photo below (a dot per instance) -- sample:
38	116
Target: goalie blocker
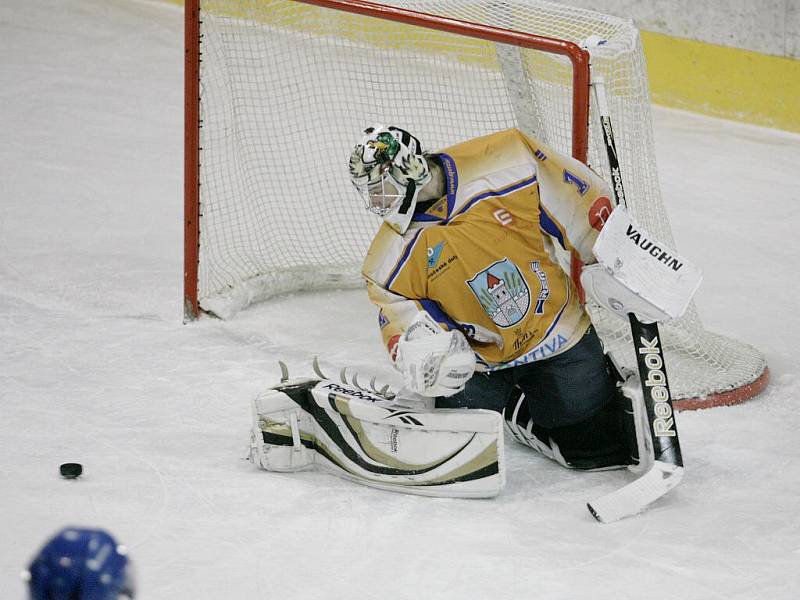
635	273
364	437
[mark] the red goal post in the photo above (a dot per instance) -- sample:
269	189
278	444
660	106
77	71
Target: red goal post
271	84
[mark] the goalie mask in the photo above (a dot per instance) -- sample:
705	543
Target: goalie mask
388	170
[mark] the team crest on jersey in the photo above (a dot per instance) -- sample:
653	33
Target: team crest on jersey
503	292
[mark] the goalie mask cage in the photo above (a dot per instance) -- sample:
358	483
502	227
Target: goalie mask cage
278	92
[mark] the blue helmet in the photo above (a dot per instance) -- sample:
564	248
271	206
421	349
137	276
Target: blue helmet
81	564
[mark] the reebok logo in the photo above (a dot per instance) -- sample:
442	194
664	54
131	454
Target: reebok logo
616	176
656	384
353	393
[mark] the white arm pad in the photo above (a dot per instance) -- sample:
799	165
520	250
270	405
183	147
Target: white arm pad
434	362
636	273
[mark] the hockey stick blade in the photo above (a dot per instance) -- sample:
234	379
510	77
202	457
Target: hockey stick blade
637	495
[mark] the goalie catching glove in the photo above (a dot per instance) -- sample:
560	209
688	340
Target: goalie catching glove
434	362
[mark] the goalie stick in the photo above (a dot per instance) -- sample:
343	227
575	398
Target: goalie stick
667	469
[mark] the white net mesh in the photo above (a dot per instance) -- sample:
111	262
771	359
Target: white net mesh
286	89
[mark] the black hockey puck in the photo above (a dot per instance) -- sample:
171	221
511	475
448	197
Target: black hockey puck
71	470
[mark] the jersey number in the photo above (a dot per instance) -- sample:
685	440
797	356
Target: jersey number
576	181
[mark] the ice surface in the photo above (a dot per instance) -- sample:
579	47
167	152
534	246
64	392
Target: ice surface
96	368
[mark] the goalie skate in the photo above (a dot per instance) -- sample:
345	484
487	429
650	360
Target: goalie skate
362	436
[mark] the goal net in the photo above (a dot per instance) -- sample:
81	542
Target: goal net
278	92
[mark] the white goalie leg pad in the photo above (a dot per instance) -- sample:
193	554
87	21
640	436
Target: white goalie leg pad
363	437
279	427
523	433
520	427
631	388
656	477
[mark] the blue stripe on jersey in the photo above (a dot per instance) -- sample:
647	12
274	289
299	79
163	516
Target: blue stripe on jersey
433	309
451	184
496	193
424	217
399	266
549	226
560	313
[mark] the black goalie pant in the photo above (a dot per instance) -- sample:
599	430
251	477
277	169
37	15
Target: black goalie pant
571	398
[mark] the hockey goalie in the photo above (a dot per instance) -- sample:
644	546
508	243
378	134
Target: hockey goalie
486	328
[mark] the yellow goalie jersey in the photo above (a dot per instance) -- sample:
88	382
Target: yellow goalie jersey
482	258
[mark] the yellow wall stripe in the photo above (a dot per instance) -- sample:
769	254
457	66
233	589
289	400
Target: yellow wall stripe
719	81
724	82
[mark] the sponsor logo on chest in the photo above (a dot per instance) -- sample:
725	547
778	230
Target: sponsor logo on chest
503	217
436	264
522	337
547	348
434	253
